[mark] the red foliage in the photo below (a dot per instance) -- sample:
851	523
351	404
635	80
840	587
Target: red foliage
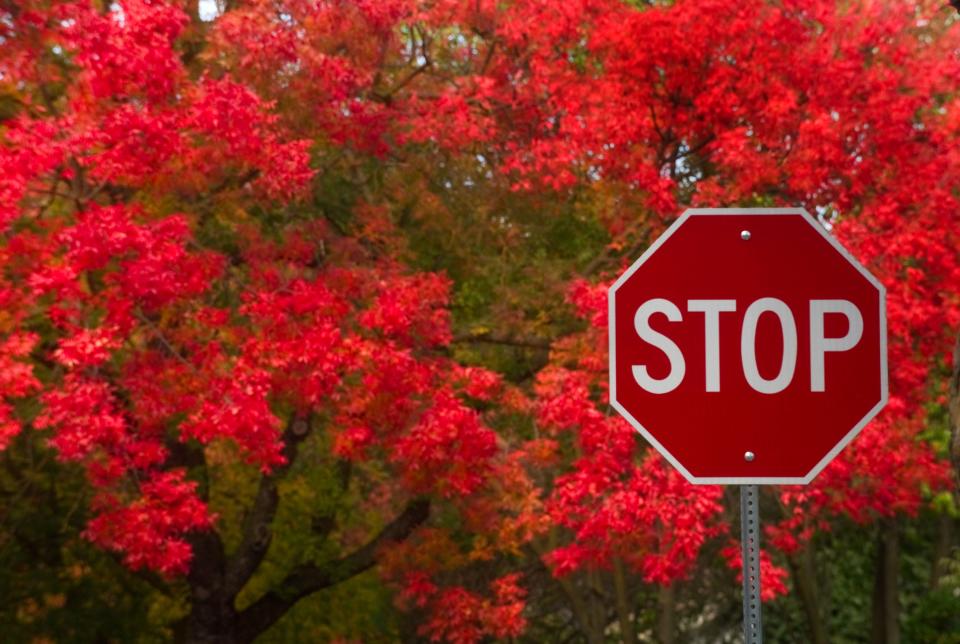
461	616
16	380
148	531
772	577
150	343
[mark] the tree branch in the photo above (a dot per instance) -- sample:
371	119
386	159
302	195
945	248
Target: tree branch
307	579
954	406
257	533
610	252
386	97
163	340
488	337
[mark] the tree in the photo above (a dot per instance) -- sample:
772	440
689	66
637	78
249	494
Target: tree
166	346
238	300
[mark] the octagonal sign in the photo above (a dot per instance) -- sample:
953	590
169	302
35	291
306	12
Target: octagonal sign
747	346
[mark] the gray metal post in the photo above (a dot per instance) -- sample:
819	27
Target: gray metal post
750	539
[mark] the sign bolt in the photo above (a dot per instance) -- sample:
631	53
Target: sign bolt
745	235
749	456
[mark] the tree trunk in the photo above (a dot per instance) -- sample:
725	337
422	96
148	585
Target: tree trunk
954	407
578	602
581	611
216	579
598	603
941	550
212	616
886	600
210	622
667	614
624	609
805	576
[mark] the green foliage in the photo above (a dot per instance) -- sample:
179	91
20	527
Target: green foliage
56	586
361	609
936	619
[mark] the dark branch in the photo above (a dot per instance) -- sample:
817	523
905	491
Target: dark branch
954	408
491	338
206	569
257	532
386	97
309	578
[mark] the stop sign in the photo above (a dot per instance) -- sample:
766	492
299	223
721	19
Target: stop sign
747	346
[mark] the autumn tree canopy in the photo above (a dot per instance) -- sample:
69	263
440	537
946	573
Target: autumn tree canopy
300	295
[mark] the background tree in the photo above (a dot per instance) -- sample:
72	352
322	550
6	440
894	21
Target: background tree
294	291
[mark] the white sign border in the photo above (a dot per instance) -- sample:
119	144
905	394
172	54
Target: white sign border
754	480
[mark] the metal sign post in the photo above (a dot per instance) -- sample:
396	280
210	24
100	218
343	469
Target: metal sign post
750	541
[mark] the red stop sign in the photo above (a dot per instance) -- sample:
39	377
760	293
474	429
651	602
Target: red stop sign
747	346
